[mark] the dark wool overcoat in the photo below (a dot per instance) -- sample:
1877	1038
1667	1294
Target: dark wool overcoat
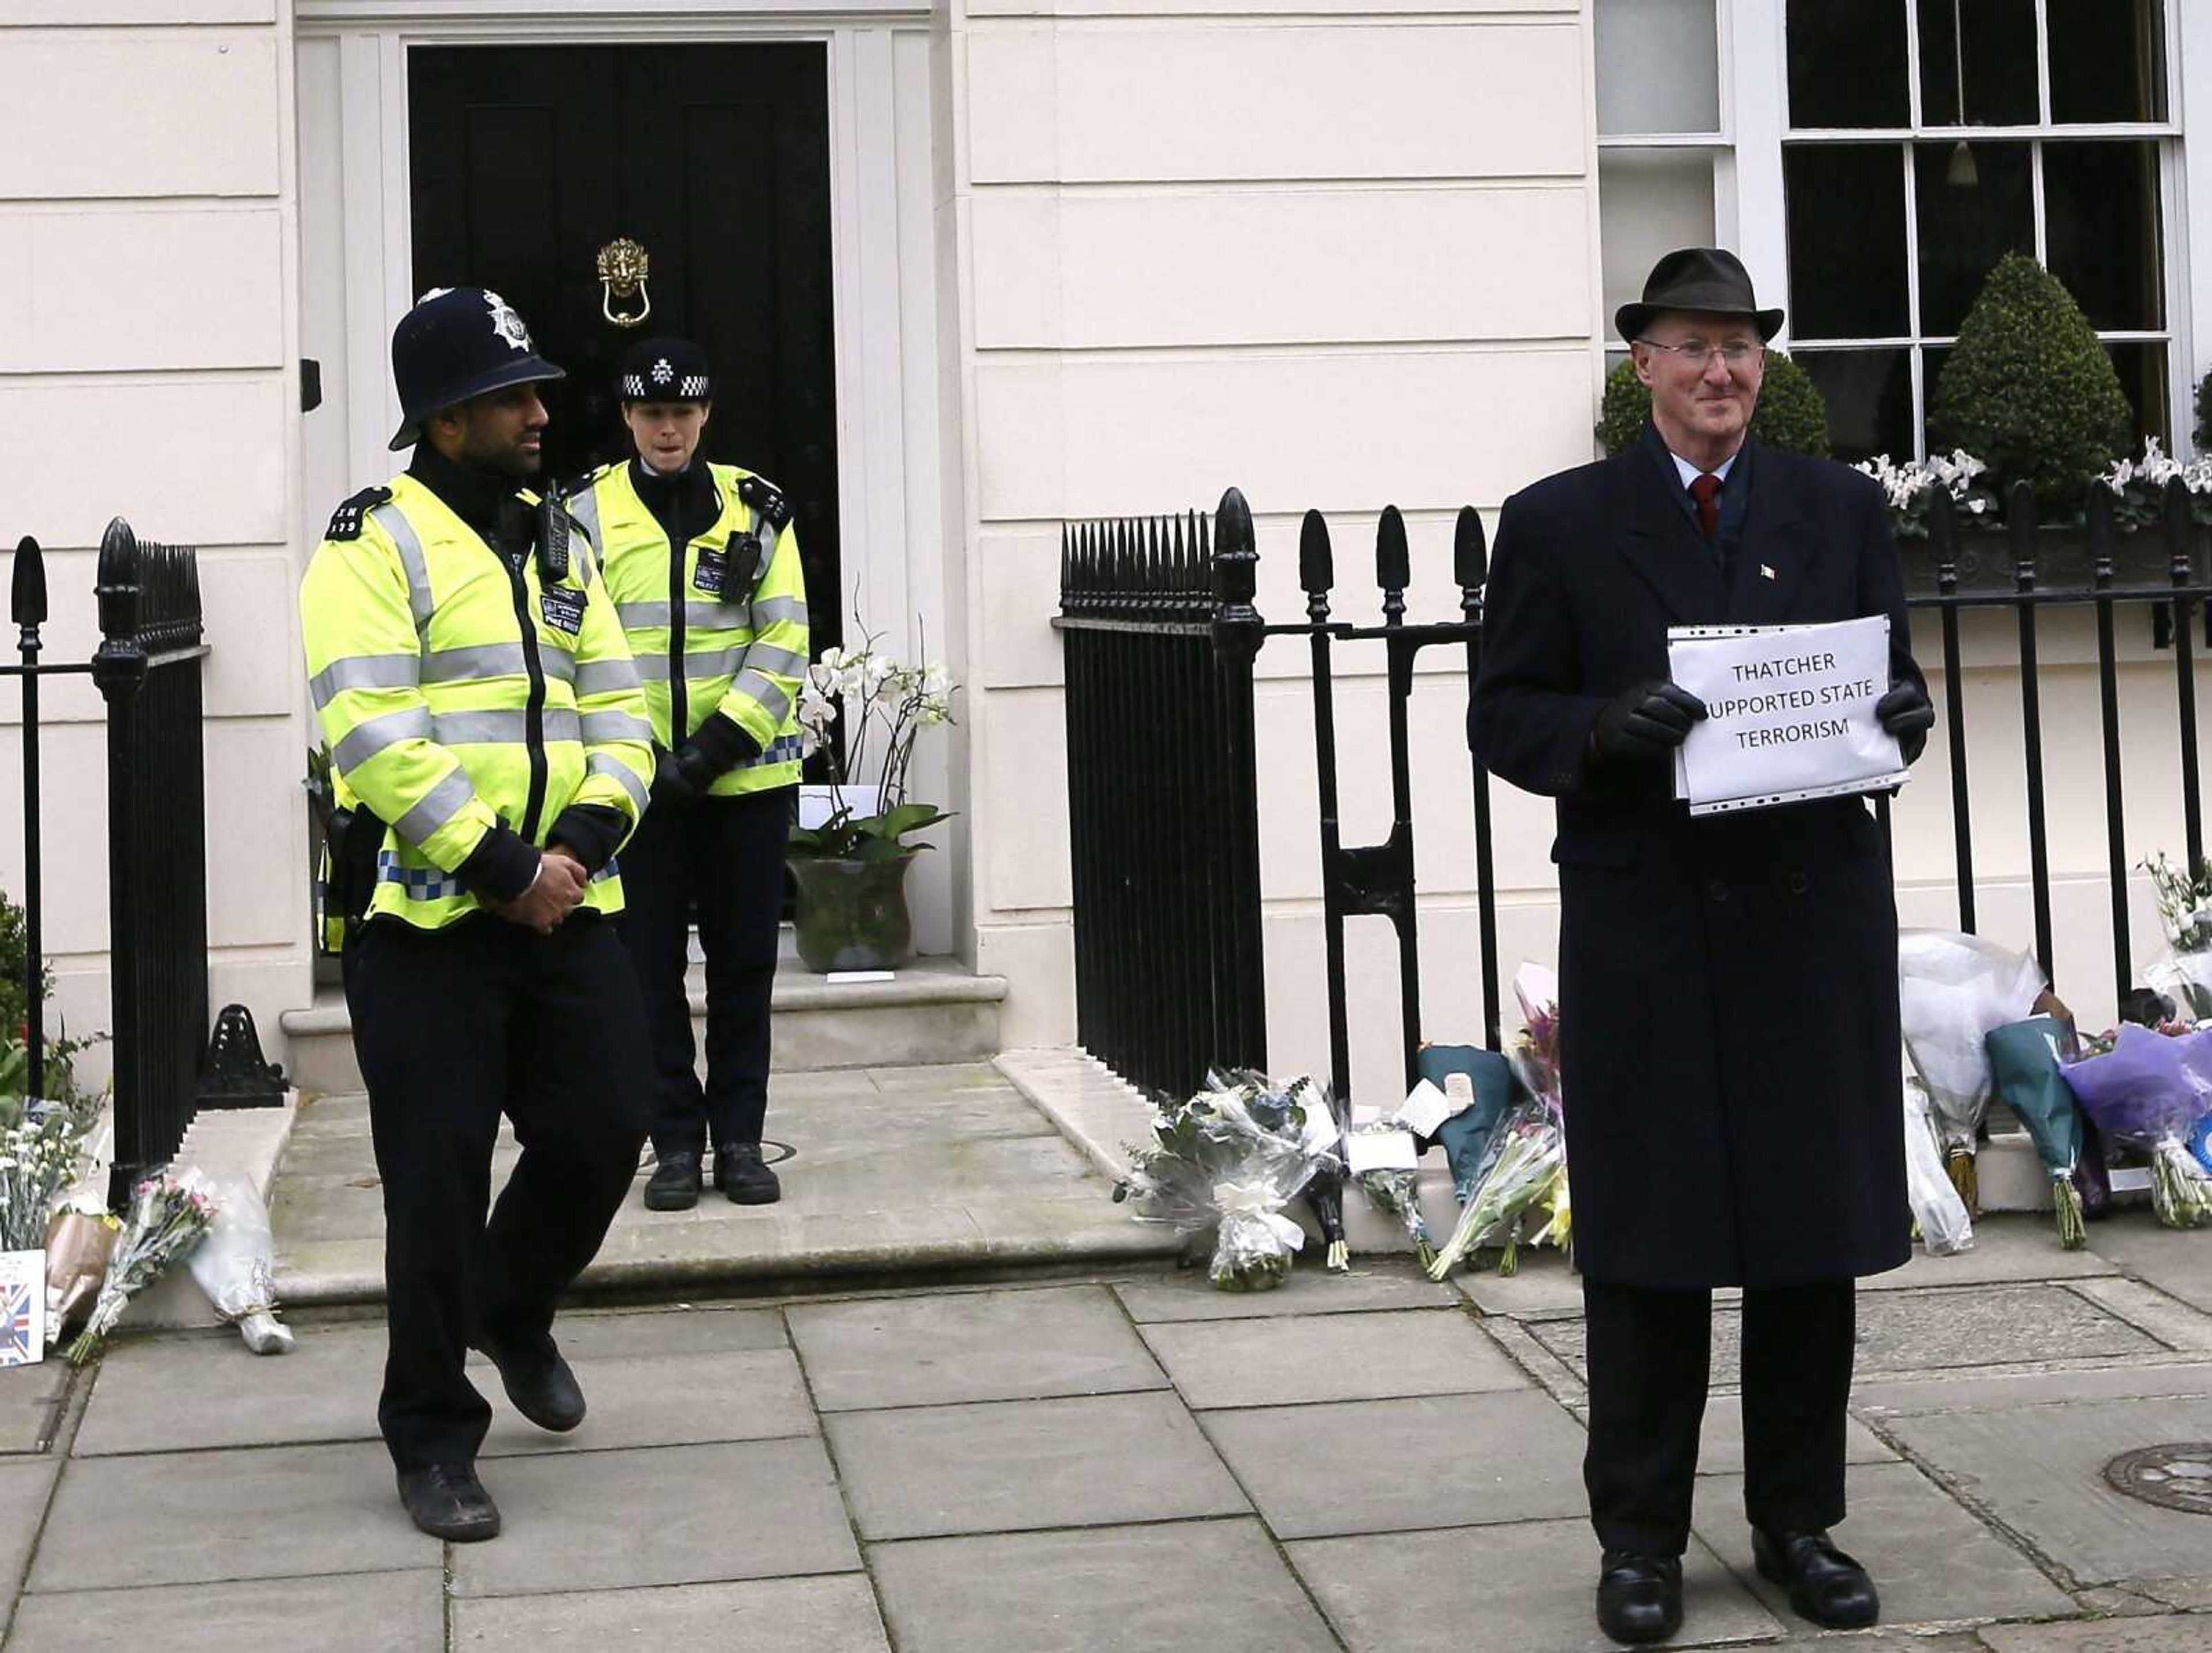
1728	986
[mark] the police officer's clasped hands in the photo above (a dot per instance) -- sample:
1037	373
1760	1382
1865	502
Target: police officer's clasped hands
554	893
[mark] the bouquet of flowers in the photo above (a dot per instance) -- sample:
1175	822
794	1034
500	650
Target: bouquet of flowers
1938	1214
2185	913
168	1215
1394	1190
1228	1160
1951	989
2151	1090
235	1265
1526	1172
2024	1063
38	1158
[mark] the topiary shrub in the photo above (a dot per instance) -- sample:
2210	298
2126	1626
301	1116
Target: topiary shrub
2029	391
2204	414
1792	415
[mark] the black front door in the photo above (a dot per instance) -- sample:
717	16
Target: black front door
528	160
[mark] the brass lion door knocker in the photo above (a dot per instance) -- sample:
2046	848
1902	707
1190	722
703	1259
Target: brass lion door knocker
623	267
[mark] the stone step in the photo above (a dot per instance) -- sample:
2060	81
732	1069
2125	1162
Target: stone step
933	1011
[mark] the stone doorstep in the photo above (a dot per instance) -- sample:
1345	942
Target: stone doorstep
933	1011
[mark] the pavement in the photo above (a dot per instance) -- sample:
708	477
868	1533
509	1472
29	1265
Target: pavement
1116	1456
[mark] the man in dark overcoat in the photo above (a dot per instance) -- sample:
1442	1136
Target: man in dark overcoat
1728	985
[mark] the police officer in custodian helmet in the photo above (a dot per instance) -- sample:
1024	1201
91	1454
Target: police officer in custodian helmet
704	570
490	751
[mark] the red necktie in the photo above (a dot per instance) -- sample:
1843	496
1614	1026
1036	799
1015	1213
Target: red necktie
1705	489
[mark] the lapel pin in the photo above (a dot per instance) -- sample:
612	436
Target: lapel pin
1765	572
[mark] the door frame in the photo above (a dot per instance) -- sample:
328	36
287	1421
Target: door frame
355	167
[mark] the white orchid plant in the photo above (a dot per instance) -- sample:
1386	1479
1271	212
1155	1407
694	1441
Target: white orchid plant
2139	485
885	704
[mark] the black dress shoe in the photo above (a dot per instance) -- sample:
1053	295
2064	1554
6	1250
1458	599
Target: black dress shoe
1639	1597
740	1173
1824	1585
674	1185
538	1383
447	1501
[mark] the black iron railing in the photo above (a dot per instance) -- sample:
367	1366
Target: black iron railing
148	670
1164	799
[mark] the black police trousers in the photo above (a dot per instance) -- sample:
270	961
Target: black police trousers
722	859
1649	1353
453	1028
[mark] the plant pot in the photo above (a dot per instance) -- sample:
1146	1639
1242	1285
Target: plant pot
851	915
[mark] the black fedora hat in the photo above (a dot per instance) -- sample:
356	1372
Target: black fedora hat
1702	278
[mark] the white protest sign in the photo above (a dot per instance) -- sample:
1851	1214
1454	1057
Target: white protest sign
1790	713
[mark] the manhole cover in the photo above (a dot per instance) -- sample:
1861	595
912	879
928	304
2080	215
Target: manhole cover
2176	1476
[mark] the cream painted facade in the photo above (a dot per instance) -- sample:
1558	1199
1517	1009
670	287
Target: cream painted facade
1092	257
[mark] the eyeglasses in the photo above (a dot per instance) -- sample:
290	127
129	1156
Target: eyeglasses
1737	352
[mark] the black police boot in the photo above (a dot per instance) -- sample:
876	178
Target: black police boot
1639	1597
740	1173
538	1383
447	1501
1825	1586
674	1184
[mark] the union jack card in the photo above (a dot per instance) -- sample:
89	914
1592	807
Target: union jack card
23	1308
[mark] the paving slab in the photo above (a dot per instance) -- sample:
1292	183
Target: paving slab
866	1121
1265	1363
1971	1391
24	1488
1542	1288
1720	1443
1518	1588
1397	1466
1008	1466
1936	1329
593	1521
1188	1294
2009	1248
684	1328
207	1518
1218	1585
2176	1261
2040	1469
2175	1324
816	1615
2172	1633
980	1346
667	1399
1932	1560
30	1404
208	1389
366	1613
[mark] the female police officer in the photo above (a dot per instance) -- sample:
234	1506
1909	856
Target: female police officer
704	570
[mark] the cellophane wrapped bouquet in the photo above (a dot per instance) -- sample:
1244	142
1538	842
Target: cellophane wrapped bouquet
1396	1192
1228	1160
1953	989
2151	1089
1938	1214
2185	913
167	1218
1520	1195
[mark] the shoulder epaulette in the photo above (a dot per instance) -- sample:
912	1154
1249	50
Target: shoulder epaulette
346	520
761	497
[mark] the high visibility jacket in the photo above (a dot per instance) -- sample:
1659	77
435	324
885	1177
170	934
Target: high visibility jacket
456	692
731	642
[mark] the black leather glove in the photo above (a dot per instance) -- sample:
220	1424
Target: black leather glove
671	780
1904	712
1642	724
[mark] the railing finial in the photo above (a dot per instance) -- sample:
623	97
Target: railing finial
1470	561
1394	564
1317	565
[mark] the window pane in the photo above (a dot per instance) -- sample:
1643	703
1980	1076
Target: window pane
1846	203
2100	206
2000	66
1869	395
2107	60
1977	203
1658	66
1847	63
2143	375
1648	202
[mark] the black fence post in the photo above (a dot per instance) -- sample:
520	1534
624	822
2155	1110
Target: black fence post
1471	571
2177	528
2020	522
1316	575
1942	525
27	606
1241	1030
2108	698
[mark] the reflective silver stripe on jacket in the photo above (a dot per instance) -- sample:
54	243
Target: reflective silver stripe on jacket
367	738
607	676
584	506
765	689
393	521
706	663
439	805
767	657
364	671
715	616
501	728
607	764
766	611
601	728
475	660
